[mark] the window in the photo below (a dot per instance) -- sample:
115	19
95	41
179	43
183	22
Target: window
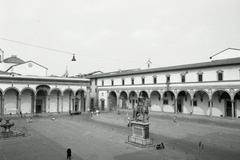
132	81
200	78
220	76
112	82
183	78
123	82
154	80
165	101
168	78
194	103
102	82
95	82
90	82
143	80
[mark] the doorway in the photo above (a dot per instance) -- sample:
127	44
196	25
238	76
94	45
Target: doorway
179	105
102	105
228	109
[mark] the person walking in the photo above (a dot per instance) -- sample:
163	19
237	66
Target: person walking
69	154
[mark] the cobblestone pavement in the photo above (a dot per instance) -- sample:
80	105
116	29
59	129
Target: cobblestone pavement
103	137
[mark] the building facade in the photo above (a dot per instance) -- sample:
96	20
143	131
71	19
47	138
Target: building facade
208	88
32	94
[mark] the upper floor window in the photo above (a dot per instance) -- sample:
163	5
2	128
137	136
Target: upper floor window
123	81
112	81
220	75
102	82
154	80
143	80
200	76
168	78
132	81
95	82
183	78
90	82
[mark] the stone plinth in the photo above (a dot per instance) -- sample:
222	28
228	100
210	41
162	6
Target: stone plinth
140	134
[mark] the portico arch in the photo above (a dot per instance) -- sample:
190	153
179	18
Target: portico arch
184	102
55	97
123	100
168	101
112	101
201	103
133	99
11	101
42	99
155	98
27	100
144	94
237	104
68	99
222	105
79	101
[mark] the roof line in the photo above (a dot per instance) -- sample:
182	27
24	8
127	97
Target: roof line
214	63
25	63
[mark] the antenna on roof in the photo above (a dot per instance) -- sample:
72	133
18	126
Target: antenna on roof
149	62
236	49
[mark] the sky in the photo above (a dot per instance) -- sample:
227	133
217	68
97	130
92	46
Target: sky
110	35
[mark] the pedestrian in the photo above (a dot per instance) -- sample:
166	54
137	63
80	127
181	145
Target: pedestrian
21	114
69	154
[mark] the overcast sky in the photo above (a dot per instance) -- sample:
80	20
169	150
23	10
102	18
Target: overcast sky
110	35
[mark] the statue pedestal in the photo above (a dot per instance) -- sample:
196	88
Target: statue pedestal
140	134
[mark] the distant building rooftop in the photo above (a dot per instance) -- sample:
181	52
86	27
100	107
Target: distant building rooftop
13	59
214	63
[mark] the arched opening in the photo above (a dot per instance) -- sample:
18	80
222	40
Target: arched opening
79	102
132	99
27	100
123	100
222	105
168	101
55	100
112	101
184	102
144	94
11	101
67	100
201	103
102	104
155	98
41	99
237	105
1	103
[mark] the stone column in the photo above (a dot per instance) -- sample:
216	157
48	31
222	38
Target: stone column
175	105
19	103
34	105
48	103
211	105
58	102
232	108
161	103
87	101
73	105
118	102
192	106
2	106
62	103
